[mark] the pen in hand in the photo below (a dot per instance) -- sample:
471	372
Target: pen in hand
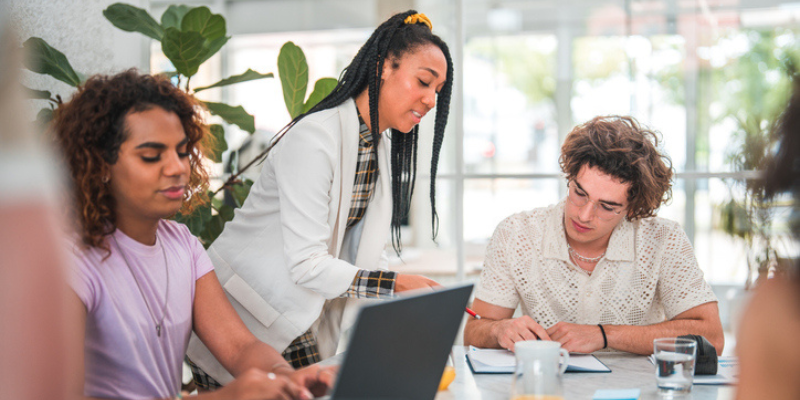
474	315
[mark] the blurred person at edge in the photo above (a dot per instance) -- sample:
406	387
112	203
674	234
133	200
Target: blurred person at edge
767	341
309	242
142	283
36	325
599	269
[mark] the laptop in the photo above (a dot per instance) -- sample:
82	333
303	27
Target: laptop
398	348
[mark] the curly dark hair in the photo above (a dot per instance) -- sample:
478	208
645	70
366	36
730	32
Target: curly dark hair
90	129
389	42
619	146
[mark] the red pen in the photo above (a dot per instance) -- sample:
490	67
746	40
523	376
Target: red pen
470	312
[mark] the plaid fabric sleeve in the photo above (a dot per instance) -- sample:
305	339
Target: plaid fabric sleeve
372	285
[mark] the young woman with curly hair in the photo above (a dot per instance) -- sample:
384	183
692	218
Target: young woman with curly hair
142	283
597	270
310	238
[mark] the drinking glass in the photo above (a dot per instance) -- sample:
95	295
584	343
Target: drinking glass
675	359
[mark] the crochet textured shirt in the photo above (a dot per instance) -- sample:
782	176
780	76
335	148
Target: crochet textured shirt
649	273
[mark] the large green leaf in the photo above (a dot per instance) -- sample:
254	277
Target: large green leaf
212	47
233	115
240	191
44	116
322	88
184	49
169	74
44	59
173	17
215	154
248	75
293	71
37	94
216	224
133	19
202	21
197	220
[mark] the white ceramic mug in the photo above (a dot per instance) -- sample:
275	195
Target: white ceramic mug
540	365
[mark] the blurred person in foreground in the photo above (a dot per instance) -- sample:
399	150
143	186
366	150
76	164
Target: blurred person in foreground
36	326
599	269
142	283
767	342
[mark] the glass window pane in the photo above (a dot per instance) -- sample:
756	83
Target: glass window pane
509	110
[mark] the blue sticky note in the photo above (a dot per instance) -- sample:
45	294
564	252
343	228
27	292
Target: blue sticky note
617	394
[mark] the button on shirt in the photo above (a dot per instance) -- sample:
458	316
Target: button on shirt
649	273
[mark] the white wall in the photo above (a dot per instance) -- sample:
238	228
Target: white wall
78	29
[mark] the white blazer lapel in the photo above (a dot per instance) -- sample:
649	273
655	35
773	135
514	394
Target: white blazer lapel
378	218
349	157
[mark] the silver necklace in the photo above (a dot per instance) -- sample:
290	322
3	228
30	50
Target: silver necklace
160	322
582	258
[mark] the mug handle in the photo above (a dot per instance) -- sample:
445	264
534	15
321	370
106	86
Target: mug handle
564	356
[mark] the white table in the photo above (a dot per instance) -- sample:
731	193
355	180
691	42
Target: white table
627	371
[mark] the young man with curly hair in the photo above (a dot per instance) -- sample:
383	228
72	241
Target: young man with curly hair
597	270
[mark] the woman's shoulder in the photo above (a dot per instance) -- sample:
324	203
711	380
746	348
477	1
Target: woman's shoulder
173	231
328	120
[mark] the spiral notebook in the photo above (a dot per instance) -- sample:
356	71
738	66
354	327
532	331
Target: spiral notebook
499	361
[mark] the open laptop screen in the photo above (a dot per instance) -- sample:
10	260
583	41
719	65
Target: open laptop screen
399	347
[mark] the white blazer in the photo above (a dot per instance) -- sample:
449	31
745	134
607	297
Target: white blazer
278	259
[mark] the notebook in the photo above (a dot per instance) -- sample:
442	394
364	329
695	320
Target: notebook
500	361
399	347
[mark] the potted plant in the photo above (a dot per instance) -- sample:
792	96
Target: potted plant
189	36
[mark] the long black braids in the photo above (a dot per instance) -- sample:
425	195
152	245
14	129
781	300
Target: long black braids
390	41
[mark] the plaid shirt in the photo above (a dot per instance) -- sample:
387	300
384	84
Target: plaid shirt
366	284
366	174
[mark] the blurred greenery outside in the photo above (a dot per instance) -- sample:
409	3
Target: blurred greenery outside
743	83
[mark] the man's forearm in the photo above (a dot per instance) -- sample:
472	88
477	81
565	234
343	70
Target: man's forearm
639	339
478	333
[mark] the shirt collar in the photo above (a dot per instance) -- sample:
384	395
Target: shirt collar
620	244
365	136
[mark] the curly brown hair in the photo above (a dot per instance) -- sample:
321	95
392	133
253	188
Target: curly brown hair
90	129
619	146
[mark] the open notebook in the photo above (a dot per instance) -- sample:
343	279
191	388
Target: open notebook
499	361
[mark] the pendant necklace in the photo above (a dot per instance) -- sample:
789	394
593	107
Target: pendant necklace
160	322
582	258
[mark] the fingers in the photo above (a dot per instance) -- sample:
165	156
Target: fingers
534	327
327	375
411	282
519	329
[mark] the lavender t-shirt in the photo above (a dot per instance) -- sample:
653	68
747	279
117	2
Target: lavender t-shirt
124	358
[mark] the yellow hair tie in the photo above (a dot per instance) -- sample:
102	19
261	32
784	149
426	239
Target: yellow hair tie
419	19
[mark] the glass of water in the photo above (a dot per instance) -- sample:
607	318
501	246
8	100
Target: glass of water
675	359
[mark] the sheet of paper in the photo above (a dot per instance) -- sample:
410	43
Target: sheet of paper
493	357
617	394
503	361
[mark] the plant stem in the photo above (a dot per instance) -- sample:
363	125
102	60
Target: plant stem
233	178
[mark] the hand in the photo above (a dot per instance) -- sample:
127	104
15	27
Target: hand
255	384
316	378
410	282
577	338
509	331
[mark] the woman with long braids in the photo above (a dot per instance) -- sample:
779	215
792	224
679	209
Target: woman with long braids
142	283
336	184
